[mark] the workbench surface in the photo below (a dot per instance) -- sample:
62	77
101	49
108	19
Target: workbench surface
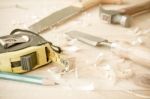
99	81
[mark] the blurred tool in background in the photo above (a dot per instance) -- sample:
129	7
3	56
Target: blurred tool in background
124	16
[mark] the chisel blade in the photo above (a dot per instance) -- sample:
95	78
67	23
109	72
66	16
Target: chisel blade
86	38
55	19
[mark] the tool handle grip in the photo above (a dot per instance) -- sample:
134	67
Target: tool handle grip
138	54
91	3
136	8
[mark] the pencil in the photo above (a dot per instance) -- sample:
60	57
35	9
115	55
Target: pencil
27	78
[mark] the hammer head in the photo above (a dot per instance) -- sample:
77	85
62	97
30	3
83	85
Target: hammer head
115	17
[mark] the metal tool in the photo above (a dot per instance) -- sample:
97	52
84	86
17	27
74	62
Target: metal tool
63	15
23	51
124	16
12	40
138	54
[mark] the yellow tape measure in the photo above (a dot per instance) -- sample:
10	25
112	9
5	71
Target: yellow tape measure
23	51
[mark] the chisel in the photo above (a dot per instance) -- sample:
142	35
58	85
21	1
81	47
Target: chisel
64	14
138	54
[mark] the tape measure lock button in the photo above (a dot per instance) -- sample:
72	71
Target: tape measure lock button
28	62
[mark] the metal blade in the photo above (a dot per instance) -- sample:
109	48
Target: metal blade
86	38
55	19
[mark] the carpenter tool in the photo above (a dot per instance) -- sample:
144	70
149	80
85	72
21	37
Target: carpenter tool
27	79
138	54
23	51
124	16
63	15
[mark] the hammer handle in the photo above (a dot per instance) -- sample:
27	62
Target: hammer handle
138	54
136	8
86	4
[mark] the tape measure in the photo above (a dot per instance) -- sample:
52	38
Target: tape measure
24	51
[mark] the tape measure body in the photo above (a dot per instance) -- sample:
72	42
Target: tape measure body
26	51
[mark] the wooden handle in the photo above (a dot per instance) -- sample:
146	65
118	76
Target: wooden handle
91	3
111	1
136	8
138	54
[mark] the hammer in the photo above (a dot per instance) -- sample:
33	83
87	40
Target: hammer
124	16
